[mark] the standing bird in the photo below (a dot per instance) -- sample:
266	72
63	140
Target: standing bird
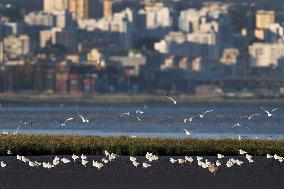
3	165
172	160
268	156
242	152
132	158
74	157
146	165
84	162
220	156
135	163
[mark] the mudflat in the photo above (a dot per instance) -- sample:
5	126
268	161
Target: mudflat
120	173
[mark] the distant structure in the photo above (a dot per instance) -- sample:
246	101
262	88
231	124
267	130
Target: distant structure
55	5
40	19
107	8
16	46
79	9
82	11
156	16
266	55
263	21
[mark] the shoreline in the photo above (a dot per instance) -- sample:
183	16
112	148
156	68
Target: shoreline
135	98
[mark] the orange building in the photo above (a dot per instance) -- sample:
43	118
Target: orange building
107	8
79	8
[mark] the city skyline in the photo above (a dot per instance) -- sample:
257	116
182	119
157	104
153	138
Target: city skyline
123	46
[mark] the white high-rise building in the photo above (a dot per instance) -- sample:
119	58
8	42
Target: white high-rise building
40	19
157	16
265	54
55	5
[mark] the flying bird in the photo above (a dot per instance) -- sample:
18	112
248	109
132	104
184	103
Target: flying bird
236	125
250	117
125	114
189	119
187	132
84	120
139	112
138	118
269	114
69	119
175	102
202	115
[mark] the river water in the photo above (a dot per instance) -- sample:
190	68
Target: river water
158	120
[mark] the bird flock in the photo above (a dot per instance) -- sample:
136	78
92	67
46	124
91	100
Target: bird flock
150	161
138	115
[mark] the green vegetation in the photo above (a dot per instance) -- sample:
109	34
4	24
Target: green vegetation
93	145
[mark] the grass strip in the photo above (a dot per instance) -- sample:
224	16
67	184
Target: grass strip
95	145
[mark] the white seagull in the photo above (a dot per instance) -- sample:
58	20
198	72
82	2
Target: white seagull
236	125
268	156
175	102
269	114
125	114
69	119
187	132
218	163
97	165
74	157
172	160
189	119
135	163
250	117
84	120
84	162
83	157
132	158
202	115
189	159
65	160
3	164
146	165
242	152
138	118
220	156
249	158
139	112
